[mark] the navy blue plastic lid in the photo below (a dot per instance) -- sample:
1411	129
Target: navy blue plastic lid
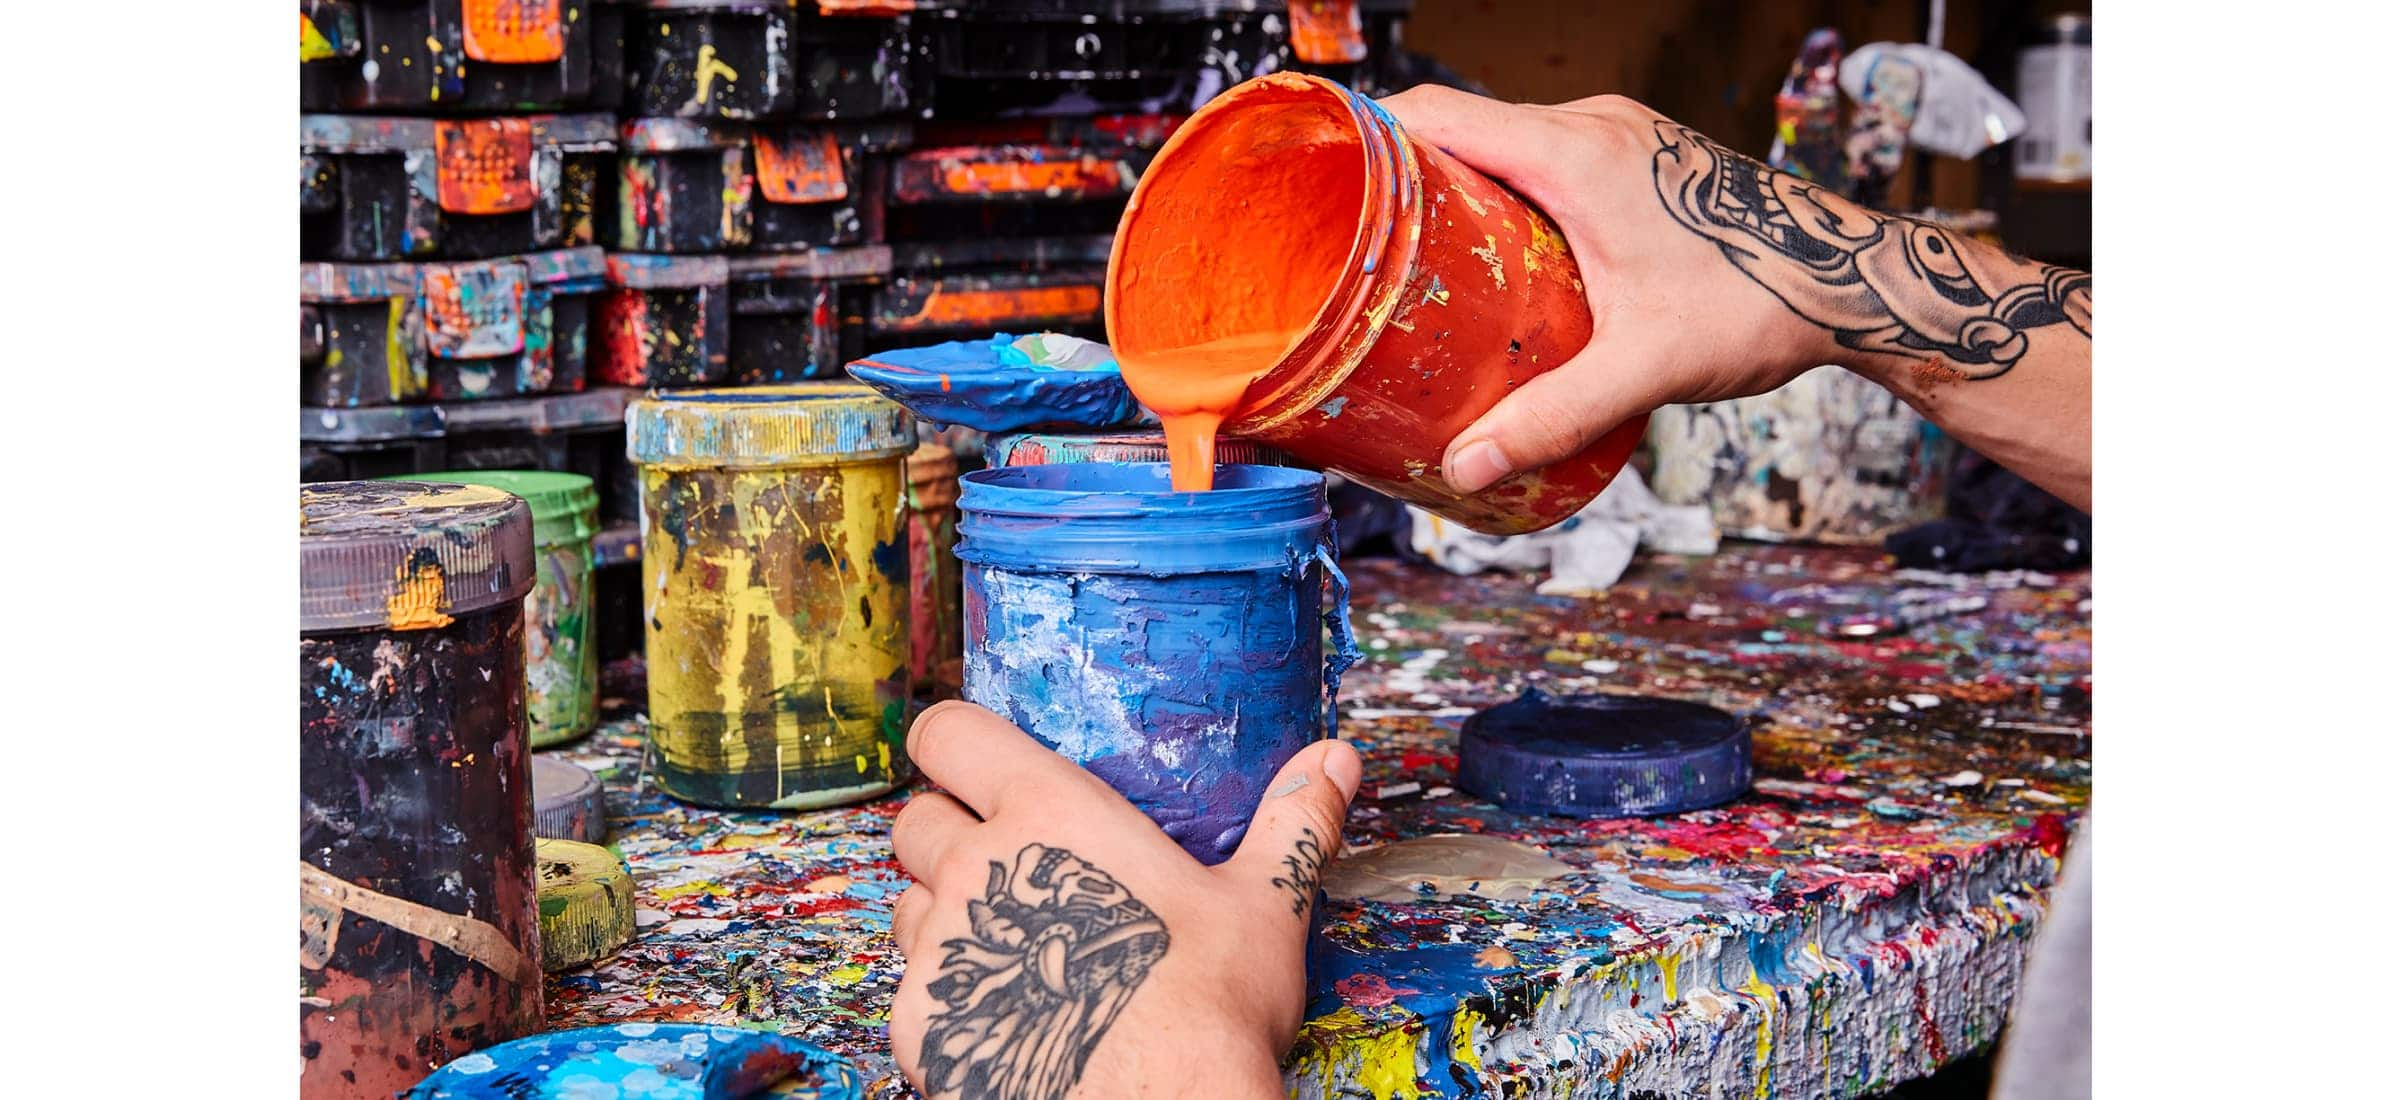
1106	517
1604	755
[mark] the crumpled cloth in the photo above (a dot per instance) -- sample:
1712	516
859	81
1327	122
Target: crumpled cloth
1587	552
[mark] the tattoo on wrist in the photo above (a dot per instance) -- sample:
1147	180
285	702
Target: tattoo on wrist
1056	949
1303	877
1878	282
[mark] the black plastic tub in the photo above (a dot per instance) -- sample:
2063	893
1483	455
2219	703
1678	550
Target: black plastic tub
361	341
664	321
754	59
443	56
421	188
510	327
802	316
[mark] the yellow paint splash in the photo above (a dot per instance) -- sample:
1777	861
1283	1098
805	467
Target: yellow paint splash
1465	1037
398	354
313	46
421	593
1766	996
1387	1065
1381	1058
708	68
1493	260
1668	965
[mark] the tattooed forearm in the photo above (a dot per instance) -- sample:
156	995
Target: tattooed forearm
1880	283
1055	951
1303	877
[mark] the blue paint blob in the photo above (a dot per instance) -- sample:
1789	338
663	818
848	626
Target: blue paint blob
1168	642
653	1061
1604	755
1004	383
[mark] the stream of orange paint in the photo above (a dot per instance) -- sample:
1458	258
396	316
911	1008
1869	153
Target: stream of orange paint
1192	389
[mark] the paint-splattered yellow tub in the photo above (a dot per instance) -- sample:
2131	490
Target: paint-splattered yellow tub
773	561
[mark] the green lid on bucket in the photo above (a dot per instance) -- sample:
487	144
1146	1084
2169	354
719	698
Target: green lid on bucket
800	424
564	506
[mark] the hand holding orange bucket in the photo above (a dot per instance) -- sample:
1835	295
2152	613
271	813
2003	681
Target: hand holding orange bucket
1295	269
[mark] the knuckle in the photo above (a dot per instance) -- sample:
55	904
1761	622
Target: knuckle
956	864
909	819
1552	429
930	728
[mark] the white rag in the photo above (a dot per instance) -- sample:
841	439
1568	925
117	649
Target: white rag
1586	552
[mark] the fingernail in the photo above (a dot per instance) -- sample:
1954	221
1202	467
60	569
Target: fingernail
1478	464
1344	767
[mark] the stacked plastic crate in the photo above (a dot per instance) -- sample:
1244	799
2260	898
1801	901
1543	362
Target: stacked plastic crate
748	232
454	159
1001	217
516	214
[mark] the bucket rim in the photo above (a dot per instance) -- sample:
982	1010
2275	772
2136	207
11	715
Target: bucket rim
1097	517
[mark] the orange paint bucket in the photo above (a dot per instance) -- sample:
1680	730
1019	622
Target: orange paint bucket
1404	293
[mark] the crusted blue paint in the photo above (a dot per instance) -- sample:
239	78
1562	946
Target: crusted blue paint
654	1061
1000	384
1169	642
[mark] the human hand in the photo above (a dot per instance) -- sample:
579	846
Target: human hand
1057	939
1711	276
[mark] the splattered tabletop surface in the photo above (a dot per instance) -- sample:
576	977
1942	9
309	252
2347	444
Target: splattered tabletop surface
1921	748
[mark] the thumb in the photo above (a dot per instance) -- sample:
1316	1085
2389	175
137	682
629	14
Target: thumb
1553	416
1297	828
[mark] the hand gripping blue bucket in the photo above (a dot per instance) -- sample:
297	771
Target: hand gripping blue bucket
1168	642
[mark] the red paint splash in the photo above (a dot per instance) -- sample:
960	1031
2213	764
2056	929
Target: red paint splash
1714	840
1934	1034
1368	991
2050	833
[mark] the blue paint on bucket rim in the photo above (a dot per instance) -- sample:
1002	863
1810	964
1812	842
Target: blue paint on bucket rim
1124	518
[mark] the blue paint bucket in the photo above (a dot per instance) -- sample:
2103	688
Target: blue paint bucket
1168	642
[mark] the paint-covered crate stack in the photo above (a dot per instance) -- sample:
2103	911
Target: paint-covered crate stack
748	220
1358	43
1006	225
1073	56
468	56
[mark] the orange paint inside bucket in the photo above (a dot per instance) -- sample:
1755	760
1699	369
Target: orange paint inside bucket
1226	262
1296	270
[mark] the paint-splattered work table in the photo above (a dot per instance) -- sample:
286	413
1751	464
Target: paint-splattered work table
1857	920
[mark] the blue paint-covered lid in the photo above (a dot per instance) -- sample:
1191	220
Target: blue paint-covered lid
652	1061
803	423
1604	755
1120	445
1005	382
1125	518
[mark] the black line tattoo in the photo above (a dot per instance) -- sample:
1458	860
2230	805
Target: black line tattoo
1303	877
1055	951
1880	283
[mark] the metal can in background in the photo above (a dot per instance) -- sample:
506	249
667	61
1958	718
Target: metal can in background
2055	89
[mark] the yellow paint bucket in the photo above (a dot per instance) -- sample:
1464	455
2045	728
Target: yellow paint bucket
774	567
